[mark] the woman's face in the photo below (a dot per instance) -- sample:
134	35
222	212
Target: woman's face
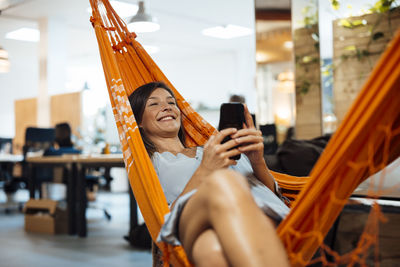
161	116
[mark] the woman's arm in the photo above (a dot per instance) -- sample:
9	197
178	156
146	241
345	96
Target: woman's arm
215	156
251	143
263	174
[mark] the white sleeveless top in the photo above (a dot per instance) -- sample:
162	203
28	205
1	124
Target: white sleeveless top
174	172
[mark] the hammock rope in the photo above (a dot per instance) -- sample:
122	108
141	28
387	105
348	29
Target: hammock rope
354	153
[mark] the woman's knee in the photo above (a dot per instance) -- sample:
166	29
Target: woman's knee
226	187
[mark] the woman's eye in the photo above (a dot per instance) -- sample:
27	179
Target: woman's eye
153	104
172	103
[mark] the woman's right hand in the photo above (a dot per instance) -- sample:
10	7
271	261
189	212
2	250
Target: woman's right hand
217	155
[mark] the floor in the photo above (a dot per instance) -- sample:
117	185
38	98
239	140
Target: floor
104	245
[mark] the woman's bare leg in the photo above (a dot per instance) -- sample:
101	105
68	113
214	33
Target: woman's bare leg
224	203
207	251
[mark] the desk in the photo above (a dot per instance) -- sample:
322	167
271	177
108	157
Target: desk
76	166
68	162
10	185
7	162
82	163
10	158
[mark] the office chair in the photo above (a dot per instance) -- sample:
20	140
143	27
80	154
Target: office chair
270	139
7	181
37	140
5	170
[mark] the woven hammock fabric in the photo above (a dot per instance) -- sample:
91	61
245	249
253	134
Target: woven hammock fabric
347	160
366	141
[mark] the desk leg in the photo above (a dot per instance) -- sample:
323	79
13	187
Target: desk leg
81	201
108	178
31	180
133	220
71	176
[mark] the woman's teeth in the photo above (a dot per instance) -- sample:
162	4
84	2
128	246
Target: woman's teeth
167	118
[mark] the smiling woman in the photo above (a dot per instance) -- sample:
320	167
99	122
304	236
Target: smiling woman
161	104
211	195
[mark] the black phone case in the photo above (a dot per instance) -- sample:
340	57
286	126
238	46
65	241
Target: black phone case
231	116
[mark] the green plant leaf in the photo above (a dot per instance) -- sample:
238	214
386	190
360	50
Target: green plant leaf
344	57
315	36
325	73
382	6
307	59
359	54
345	23
358	22
350	48
335	4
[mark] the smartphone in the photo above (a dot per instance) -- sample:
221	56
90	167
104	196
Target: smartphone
231	116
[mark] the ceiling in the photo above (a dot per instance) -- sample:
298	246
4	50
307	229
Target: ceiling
181	22
273	29
272	4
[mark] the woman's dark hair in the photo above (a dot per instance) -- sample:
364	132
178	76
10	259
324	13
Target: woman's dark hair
138	101
63	135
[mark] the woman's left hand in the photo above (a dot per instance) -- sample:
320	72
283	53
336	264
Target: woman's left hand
250	140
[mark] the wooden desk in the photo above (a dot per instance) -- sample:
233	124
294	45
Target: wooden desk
76	166
68	162
7	162
11	158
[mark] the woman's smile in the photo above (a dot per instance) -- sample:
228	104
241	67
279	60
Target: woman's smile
161	115
167	118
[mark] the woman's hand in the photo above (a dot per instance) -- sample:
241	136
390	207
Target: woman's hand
250	140
217	155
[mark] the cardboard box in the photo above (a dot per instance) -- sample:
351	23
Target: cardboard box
45	216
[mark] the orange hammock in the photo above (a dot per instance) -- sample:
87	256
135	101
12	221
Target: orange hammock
368	140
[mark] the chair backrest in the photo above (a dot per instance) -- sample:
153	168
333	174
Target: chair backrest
38	139
270	141
6	145
61	151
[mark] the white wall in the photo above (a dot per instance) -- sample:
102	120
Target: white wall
21	82
205	73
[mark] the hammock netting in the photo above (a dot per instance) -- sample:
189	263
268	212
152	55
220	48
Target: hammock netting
366	142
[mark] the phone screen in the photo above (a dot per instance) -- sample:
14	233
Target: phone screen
231	116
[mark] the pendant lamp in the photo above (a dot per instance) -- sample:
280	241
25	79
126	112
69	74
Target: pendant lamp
4	62
142	21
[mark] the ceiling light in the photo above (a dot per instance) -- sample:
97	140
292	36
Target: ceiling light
143	22
286	82
286	76
288	44
24	34
262	57
4	4
123	9
4	62
227	32
151	49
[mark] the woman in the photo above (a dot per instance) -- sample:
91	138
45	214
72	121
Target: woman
215	214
